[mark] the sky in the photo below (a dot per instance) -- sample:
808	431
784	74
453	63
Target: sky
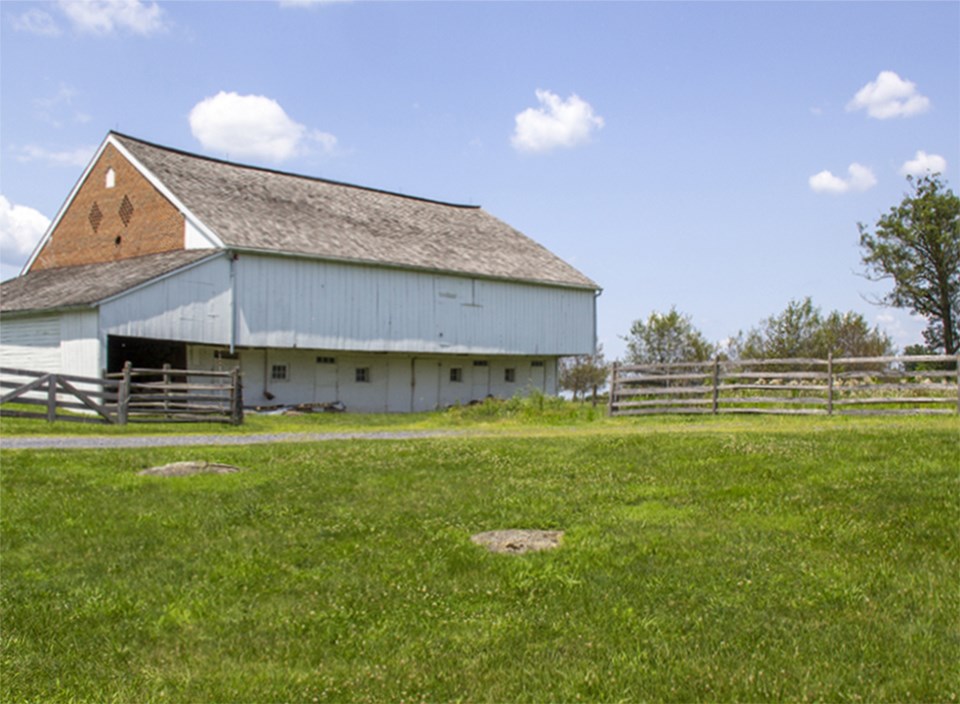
715	157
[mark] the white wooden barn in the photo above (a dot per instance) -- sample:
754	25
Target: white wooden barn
320	291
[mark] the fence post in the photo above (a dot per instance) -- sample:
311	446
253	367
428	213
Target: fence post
236	397
957	370
716	385
830	384
123	395
51	397
166	388
613	388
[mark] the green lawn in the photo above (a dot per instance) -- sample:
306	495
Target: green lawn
537	410
727	559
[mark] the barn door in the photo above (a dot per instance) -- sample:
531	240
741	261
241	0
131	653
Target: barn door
538	375
425	385
325	380
481	380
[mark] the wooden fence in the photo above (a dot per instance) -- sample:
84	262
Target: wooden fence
842	386
132	396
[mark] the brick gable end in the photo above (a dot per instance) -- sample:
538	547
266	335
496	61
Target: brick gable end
105	224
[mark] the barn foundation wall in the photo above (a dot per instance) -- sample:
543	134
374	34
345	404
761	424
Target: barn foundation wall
377	383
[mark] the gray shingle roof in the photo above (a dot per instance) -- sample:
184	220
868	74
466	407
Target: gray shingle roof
254	208
77	286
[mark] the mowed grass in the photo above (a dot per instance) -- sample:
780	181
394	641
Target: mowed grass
716	560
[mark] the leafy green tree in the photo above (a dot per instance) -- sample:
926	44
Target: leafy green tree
667	338
924	351
583	373
789	334
849	335
802	331
917	246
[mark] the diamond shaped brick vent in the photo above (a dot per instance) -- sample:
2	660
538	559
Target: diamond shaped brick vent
95	217
126	211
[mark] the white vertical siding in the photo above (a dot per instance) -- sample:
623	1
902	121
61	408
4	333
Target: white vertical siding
288	302
80	349
193	305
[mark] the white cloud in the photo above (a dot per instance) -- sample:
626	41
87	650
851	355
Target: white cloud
253	126
36	21
859	178
924	163
108	16
889	96
71	157
21	228
556	123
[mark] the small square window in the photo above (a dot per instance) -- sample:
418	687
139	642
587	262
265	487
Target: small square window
456	374
510	375
363	375
279	372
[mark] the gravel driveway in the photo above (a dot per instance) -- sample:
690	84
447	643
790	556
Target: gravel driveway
131	441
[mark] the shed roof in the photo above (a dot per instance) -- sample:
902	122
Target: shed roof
86	285
261	209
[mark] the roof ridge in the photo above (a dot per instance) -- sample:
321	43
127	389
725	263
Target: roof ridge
278	172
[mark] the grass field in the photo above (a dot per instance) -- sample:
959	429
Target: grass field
704	560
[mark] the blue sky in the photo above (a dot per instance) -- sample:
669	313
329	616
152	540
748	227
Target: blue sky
715	157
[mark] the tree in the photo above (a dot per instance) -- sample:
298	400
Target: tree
917	245
789	334
583	373
849	335
802	331
665	339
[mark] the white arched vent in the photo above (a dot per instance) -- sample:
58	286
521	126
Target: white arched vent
111	179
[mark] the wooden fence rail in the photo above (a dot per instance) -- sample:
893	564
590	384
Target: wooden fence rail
131	396
95	399
846	385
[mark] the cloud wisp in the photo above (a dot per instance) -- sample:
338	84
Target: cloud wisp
67	157
889	96
109	16
98	17
924	163
253	126
36	21
557	123
859	178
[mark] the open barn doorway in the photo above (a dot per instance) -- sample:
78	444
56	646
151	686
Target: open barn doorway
144	353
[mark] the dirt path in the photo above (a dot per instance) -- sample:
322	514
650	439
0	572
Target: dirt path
136	441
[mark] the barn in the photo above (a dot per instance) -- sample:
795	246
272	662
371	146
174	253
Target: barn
319	291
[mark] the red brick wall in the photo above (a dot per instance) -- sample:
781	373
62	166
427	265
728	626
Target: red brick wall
152	223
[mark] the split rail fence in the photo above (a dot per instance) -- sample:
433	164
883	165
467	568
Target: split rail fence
841	386
131	396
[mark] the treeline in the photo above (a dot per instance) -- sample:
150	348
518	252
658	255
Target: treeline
801	330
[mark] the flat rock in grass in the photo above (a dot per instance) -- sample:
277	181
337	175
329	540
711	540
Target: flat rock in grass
184	469
518	541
